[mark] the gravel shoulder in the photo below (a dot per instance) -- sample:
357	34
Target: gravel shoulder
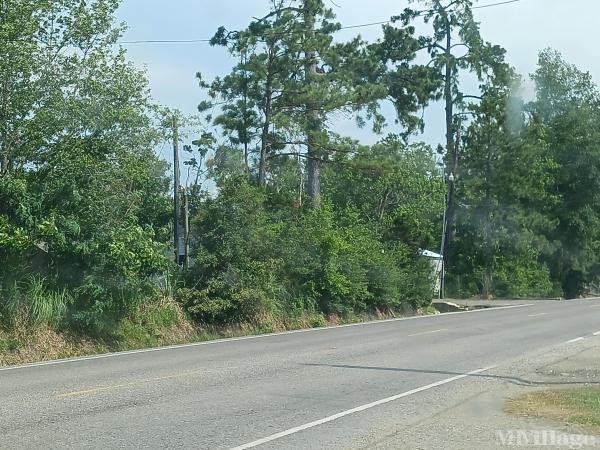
480	420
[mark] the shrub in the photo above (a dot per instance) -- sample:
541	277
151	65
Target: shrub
253	262
155	322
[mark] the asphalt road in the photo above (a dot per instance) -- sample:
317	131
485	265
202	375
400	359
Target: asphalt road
326	388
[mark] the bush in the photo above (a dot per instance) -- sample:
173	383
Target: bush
226	302
254	262
152	323
513	276
527	279
102	301
347	268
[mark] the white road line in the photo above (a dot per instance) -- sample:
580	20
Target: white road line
597	333
537	315
245	338
357	409
575	340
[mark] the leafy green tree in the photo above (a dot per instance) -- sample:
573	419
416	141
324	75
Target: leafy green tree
456	47
504	192
254	261
410	86
567	109
397	186
291	77
82	195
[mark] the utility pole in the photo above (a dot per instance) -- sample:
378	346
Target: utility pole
186	230
450	217
449	199
450	144
176	186
441	293
443	248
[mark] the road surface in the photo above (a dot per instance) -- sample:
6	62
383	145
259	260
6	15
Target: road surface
326	388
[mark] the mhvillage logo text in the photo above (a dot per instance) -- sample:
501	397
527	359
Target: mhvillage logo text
542	438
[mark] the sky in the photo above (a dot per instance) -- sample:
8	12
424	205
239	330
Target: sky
523	29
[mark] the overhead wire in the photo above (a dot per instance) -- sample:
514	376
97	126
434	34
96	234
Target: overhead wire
362	25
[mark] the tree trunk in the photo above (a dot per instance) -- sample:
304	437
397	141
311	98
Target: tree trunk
313	119
245	120
383	204
264	138
3	115
264	154
314	181
4	146
487	227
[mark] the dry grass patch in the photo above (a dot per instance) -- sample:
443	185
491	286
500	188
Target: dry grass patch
574	407
154	324
24	345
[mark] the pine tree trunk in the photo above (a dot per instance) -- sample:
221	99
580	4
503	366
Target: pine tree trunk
264	138
487	227
314	181
4	147
313	119
264	154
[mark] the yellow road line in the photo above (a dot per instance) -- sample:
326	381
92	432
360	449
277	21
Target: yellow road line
428	332
124	385
537	315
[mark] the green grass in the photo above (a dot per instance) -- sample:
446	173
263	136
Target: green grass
9	344
151	324
576	407
35	302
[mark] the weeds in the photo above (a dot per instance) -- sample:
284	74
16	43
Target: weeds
577	407
34	303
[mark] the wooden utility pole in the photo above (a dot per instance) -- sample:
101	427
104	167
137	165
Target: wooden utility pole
450	145
186	230
450	211
176	187
442	292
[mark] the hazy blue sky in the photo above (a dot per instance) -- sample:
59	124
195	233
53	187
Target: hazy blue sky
522	28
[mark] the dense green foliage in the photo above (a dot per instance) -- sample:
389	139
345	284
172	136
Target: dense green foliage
257	254
83	204
289	219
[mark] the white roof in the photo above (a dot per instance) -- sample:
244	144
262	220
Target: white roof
430	254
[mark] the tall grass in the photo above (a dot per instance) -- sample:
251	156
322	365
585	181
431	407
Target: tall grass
167	284
34	301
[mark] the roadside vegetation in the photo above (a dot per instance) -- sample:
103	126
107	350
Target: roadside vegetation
292	224
578	407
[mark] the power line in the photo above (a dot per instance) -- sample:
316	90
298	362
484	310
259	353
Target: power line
165	41
496	4
389	21
362	25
